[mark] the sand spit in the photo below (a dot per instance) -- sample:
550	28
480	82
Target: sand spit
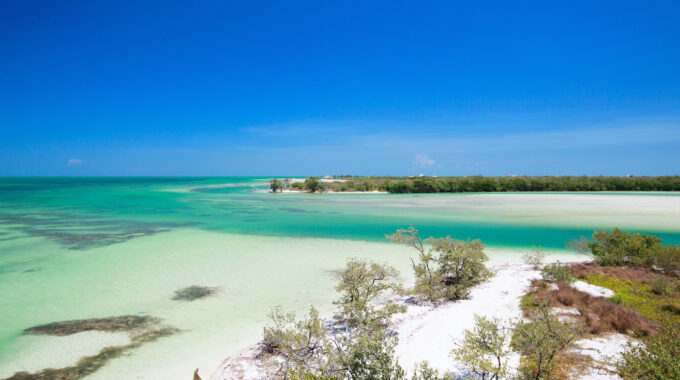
430	332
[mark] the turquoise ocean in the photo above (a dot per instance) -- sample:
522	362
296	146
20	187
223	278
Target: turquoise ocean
76	248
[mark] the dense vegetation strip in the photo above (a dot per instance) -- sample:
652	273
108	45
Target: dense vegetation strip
481	184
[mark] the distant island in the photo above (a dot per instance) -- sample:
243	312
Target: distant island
475	184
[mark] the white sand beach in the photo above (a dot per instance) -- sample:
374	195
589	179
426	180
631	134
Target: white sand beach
429	333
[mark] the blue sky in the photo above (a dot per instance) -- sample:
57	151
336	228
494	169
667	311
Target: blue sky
320	87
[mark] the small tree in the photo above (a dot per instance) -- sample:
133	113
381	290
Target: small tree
534	258
461	265
301	344
458	265
370	355
360	282
275	185
484	349
428	280
556	272
313	184
540	340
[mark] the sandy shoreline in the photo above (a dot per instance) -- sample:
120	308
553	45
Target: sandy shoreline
429	332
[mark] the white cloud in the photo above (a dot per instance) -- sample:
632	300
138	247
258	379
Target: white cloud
74	161
422	160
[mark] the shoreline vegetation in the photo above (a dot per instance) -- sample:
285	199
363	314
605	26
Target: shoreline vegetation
615	315
473	184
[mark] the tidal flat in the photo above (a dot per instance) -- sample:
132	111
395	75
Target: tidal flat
75	249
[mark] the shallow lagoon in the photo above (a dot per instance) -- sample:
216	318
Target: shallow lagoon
84	248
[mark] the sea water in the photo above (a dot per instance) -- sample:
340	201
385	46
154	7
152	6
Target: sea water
77	248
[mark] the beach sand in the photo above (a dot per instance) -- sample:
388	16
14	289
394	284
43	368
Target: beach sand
429	333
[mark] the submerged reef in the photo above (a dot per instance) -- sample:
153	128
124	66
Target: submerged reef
74	231
109	324
194	292
142	329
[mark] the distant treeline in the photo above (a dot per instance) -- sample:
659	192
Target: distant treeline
502	184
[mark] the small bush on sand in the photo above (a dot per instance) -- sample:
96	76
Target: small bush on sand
484	350
448	269
360	347
360	283
301	344
656	358
534	258
423	371
540	340
557	272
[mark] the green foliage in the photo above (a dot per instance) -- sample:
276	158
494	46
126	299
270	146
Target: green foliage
540	340
556	272
457	266
460	265
618	248
528	301
534	258
370	355
313	184
656	358
484	349
661	286
668	260
275	185
359	283
301	344
504	184
423	371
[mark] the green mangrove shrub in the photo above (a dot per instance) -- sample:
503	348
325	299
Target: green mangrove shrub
556	272
448	268
484	349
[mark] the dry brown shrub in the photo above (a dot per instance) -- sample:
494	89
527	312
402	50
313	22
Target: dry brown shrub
597	313
643	275
569	363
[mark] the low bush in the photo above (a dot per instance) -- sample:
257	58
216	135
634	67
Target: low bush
534	258
484	349
556	272
669	260
656	358
661	286
585	270
621	248
540	340
597	313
